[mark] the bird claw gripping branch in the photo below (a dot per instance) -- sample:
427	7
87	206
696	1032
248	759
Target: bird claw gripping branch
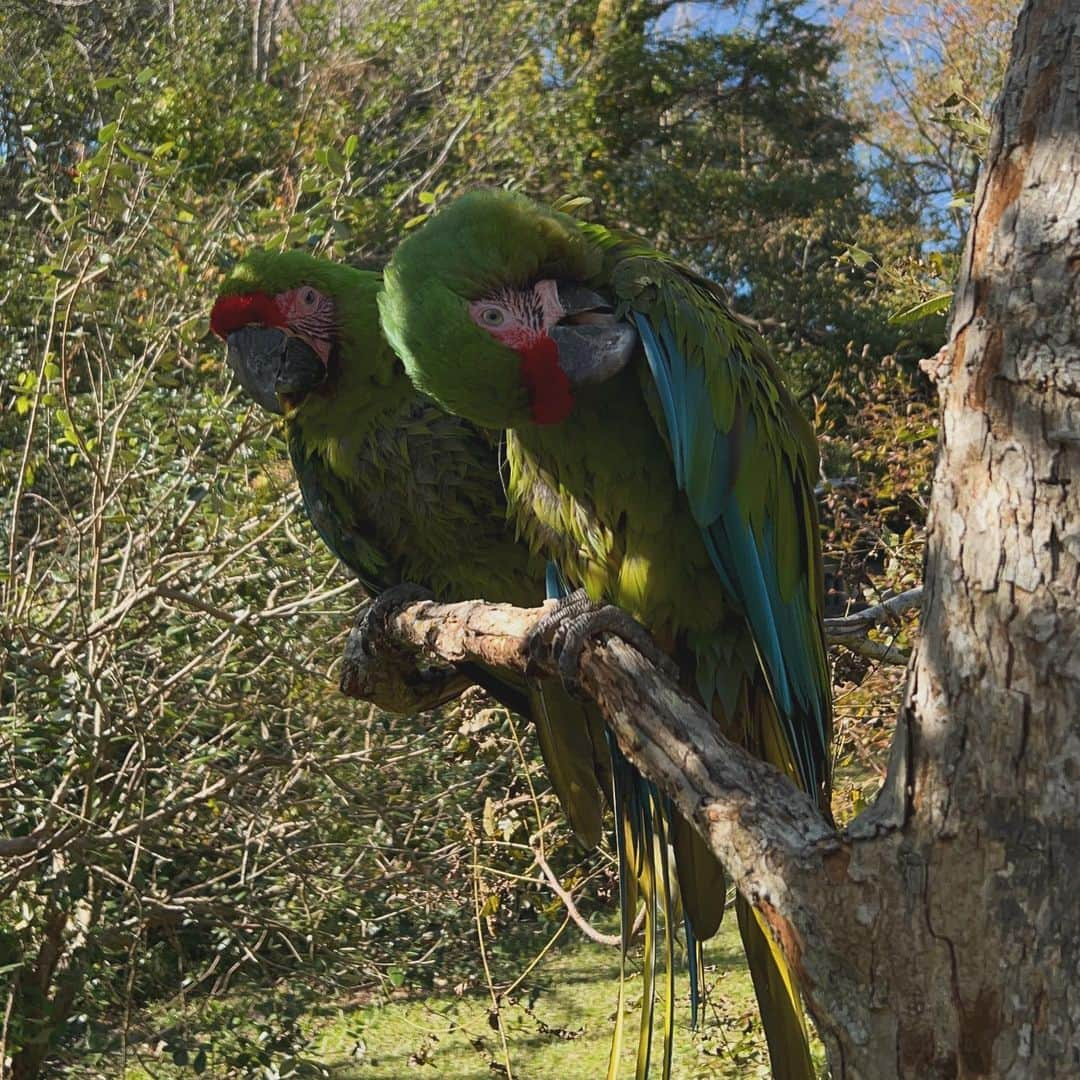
374	617
390	679
573	620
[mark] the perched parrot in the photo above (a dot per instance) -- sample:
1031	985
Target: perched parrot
399	490
656	456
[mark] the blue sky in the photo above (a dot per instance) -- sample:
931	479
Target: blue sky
724	17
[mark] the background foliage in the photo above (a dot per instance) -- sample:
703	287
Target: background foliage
188	807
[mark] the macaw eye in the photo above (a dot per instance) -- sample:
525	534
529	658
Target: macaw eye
309	296
492	316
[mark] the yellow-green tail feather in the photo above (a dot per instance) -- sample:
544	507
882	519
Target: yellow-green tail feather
641	817
778	998
702	883
568	749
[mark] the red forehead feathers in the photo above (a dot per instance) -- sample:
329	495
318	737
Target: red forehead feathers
234	312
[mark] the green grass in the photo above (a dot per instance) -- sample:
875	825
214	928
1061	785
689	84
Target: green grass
557	1023
557	1019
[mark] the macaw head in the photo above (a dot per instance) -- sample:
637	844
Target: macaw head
277	313
489	307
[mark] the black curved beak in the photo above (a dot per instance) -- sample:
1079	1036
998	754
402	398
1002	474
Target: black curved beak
272	366
593	344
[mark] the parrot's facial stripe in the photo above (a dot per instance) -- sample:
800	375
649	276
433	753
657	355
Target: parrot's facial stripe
519	319
515	315
249	309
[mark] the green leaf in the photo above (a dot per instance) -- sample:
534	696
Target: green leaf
351	143
132	154
918	436
109	82
396	976
567	204
107	133
427	198
418	220
856	255
334	161
924	310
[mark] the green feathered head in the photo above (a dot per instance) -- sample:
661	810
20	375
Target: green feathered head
469	301
275	272
303	332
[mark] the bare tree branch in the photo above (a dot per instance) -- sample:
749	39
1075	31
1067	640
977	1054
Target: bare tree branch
769	835
851	630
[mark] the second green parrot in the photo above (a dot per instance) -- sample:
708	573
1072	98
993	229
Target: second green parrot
398	489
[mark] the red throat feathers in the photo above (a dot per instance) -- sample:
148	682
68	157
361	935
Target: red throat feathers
549	388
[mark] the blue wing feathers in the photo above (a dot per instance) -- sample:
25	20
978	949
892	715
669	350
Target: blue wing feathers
554	582
741	548
661	374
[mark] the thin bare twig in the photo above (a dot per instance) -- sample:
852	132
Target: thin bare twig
579	920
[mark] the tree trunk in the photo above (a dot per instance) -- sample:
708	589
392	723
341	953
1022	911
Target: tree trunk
969	935
939	935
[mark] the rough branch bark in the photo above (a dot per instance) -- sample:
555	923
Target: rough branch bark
745	802
395	683
939	935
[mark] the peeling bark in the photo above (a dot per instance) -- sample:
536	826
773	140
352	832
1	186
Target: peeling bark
985	793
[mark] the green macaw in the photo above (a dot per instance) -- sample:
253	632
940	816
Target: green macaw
656	456
399	490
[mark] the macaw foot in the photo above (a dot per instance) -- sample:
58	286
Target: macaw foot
573	620
391	678
375	616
